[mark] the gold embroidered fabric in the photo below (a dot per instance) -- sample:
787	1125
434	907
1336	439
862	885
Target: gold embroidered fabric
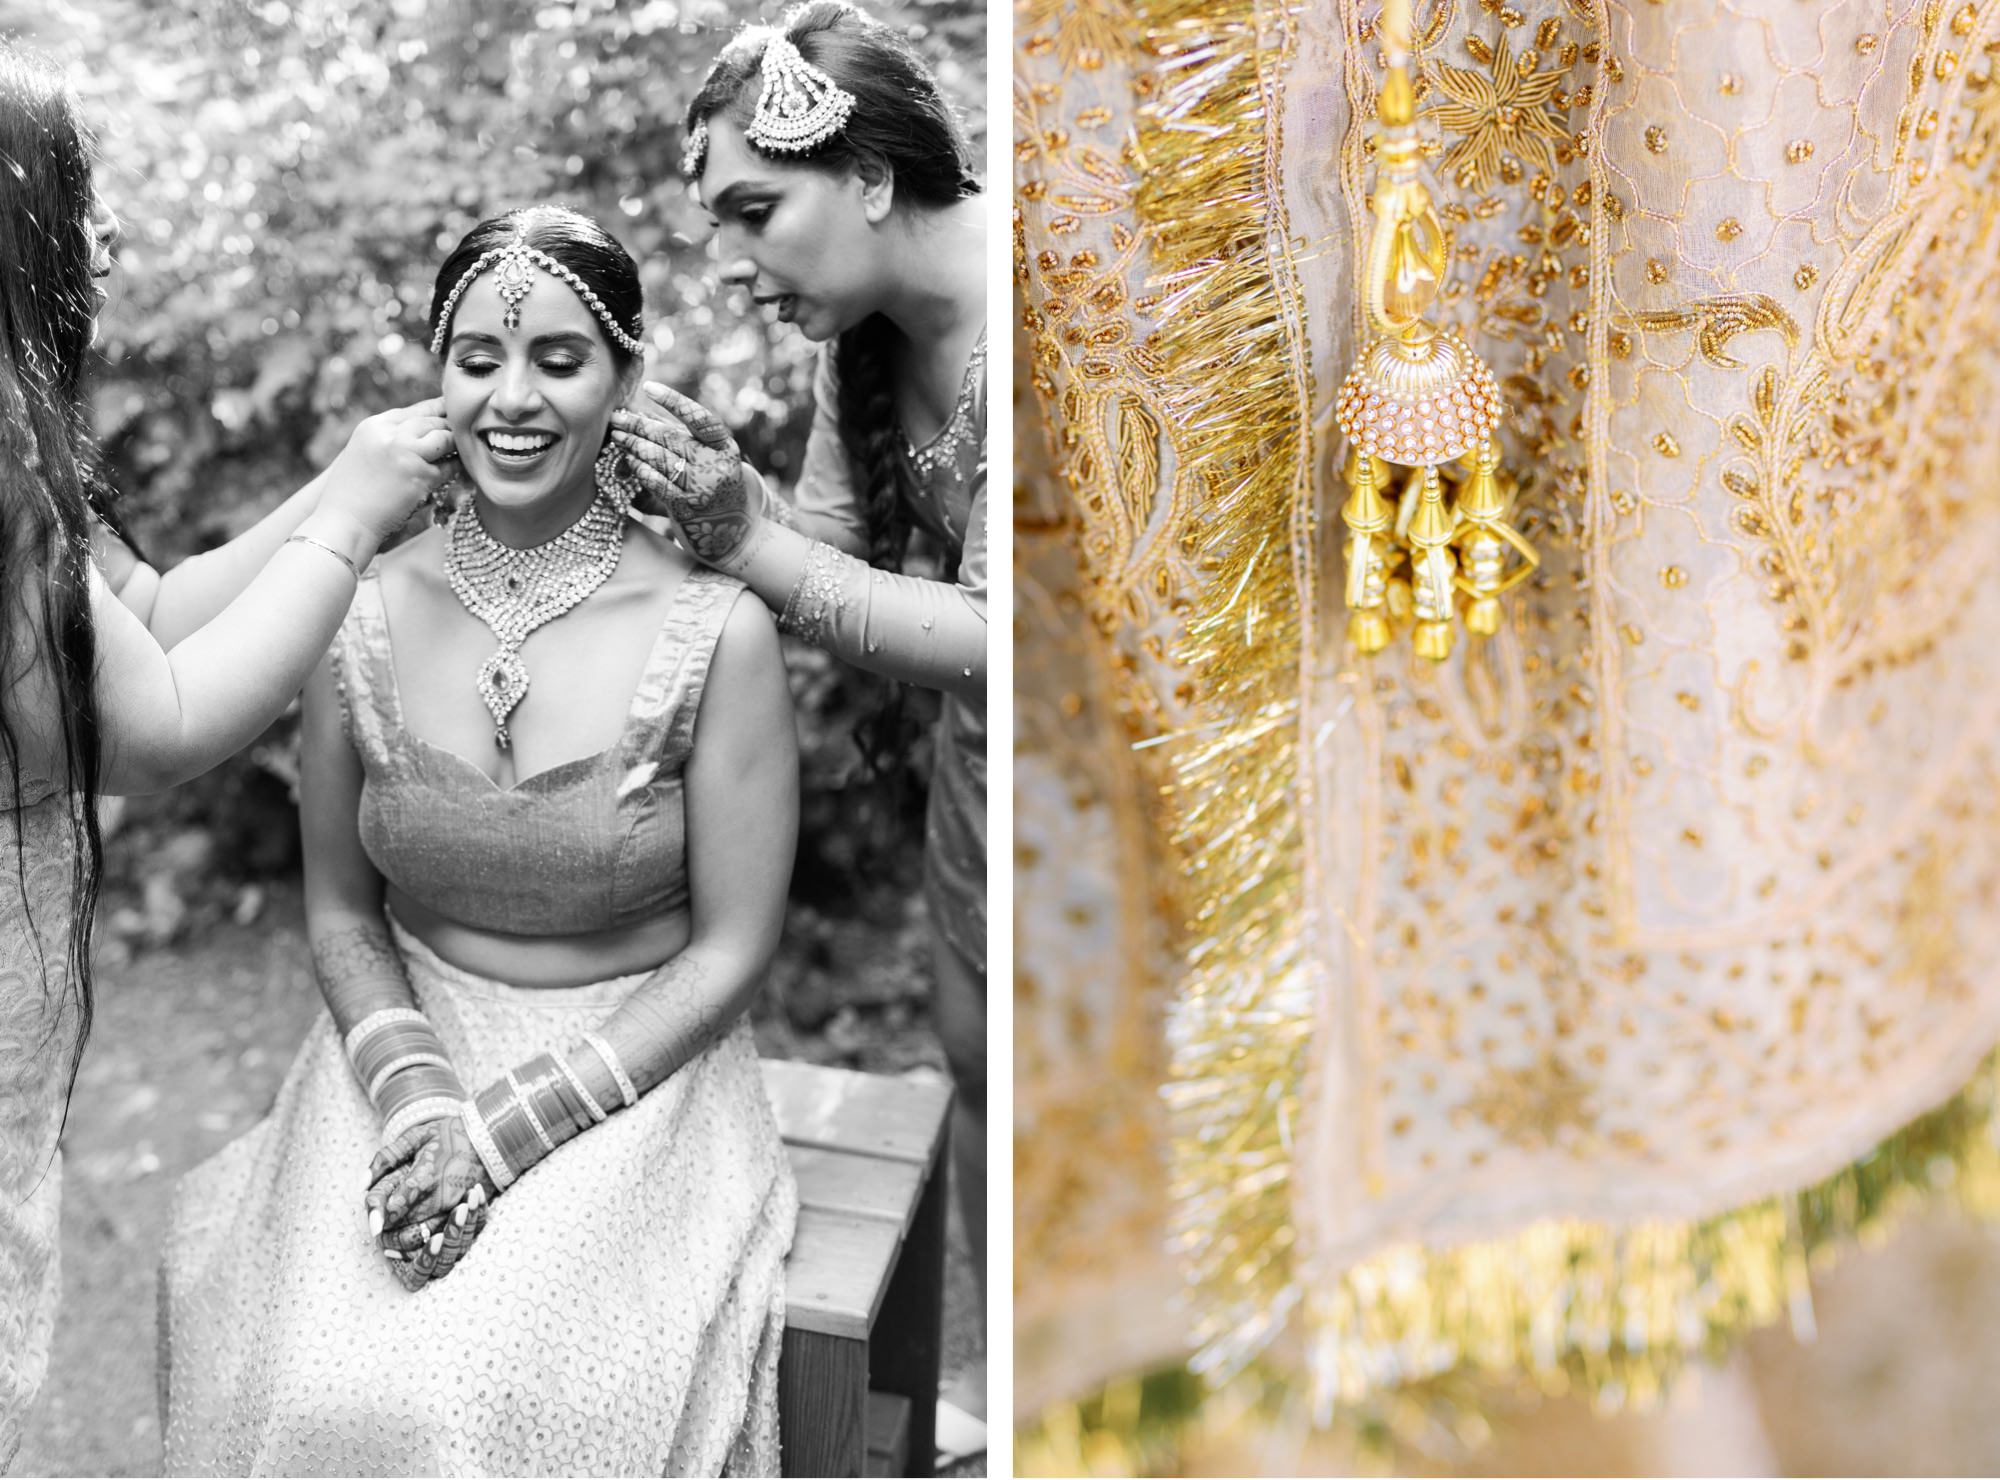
1543	1010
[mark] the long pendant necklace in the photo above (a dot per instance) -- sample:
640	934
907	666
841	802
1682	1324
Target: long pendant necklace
516	591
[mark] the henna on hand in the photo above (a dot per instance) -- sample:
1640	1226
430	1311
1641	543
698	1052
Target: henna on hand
689	470
424	1174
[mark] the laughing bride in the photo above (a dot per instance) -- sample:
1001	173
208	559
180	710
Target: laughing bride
550	799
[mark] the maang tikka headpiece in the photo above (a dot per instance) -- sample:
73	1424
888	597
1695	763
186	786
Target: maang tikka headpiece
514	267
799	108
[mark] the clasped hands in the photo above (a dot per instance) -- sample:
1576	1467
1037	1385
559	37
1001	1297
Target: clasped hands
428	1199
689	471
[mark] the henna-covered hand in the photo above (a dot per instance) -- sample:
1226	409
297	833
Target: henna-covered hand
422	1175
690	471
429	1250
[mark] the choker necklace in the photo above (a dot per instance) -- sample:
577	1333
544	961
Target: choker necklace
516	591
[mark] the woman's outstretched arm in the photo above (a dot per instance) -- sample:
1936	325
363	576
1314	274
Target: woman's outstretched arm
179	601
929	633
168	715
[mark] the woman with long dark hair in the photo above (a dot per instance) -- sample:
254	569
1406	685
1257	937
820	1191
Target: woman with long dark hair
114	678
844	194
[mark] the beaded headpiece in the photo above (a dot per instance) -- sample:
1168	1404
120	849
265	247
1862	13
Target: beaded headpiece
799	108
514	267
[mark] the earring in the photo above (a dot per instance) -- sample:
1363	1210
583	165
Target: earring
614	478
1419	398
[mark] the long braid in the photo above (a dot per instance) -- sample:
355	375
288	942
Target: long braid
869	432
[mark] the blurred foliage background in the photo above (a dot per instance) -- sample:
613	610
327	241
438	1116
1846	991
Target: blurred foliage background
289	174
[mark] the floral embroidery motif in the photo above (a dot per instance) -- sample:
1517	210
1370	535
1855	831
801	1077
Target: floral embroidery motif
1504	111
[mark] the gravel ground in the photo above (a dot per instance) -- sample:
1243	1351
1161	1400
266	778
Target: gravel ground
190	1046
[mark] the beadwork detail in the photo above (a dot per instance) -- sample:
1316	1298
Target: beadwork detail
694	154
813	609
514	592
800	107
514	267
959	428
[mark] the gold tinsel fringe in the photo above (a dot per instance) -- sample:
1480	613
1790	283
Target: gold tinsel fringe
1427	1339
1619	1313
1238	399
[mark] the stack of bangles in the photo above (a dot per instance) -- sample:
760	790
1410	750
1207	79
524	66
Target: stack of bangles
529	1111
401	1063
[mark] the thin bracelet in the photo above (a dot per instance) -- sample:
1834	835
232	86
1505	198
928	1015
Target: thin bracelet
606	1052
597	1115
340	555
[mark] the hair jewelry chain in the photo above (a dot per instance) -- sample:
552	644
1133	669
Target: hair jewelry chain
514	267
1419	398
799	108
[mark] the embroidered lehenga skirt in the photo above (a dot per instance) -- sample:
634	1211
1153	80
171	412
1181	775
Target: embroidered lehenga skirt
620	1314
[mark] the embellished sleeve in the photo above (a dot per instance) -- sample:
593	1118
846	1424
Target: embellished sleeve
931	633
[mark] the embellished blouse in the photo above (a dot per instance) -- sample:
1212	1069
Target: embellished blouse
923	632
919	631
596	843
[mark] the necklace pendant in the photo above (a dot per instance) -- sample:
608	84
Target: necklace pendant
502	739
503	683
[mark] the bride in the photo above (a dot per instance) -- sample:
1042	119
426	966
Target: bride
550	800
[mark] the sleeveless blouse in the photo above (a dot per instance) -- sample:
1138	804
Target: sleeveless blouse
593	844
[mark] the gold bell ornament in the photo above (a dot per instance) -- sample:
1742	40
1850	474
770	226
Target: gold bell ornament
1419	400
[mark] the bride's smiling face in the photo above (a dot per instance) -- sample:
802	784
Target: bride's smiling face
529	406
800	239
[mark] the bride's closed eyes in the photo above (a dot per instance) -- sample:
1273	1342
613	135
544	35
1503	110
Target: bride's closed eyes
558	354
486	365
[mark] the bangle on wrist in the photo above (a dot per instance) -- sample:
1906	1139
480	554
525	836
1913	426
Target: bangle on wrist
527	1104
422	1058
415	1113
341	555
626	1090
425	1082
597	1115
376	1021
482	1142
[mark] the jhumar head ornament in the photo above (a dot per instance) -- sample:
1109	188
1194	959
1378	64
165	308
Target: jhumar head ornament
799	108
1421	399
514	267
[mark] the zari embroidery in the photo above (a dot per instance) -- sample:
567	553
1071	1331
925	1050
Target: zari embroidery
1665	908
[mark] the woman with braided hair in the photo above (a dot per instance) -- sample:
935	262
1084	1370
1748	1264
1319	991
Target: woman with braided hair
844	195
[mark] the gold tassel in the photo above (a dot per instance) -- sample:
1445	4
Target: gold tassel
1420	398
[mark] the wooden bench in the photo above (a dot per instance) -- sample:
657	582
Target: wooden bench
864	1317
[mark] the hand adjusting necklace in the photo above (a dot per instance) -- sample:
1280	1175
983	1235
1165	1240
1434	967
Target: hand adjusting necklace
516	591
